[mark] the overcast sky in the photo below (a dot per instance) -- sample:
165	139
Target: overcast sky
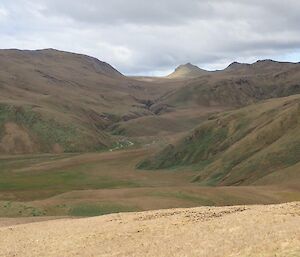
153	37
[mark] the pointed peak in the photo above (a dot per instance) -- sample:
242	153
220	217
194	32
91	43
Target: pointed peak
187	70
188	66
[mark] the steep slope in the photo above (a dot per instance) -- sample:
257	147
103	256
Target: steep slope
187	71
239	147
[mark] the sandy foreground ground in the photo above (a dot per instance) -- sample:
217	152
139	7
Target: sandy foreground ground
272	230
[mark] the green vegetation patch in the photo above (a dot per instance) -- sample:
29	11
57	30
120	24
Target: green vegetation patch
56	181
97	209
16	209
61	179
201	200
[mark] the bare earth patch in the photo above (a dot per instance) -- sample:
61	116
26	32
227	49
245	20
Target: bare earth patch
16	140
269	230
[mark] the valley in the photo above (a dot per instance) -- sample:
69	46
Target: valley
94	184
78	138
149	128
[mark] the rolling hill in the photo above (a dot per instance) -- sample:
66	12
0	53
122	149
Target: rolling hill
240	147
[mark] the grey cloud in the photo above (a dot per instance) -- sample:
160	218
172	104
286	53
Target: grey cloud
149	36
130	11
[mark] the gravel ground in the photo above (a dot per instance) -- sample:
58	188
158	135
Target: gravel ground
270	230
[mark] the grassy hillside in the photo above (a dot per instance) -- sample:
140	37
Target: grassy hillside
239	147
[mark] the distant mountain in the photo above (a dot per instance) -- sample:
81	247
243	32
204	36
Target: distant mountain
238	85
187	71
